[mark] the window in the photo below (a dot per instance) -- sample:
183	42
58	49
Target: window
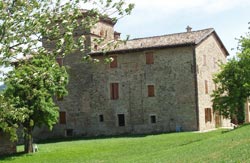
59	60
59	97
114	91
208	114
62	117
204	60
121	120
113	64
151	90
149	58
206	87
69	132
101	118
152	119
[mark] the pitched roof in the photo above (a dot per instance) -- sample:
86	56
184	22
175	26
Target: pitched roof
170	40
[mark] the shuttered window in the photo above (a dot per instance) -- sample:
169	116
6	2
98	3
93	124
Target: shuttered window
62	117
149	58
206	87
114	91
151	91
113	64
208	114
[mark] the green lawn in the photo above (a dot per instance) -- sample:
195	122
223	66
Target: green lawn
215	146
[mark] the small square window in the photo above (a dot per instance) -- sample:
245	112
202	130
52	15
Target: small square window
101	118
121	120
59	97
69	132
152	119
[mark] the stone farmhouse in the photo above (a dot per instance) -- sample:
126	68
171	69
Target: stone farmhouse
153	85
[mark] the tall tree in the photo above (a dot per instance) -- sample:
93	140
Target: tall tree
35	81
234	84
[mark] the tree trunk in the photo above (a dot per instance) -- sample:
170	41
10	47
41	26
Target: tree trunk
28	142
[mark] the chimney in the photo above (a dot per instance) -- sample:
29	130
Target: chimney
189	29
117	35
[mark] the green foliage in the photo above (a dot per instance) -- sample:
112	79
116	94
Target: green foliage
215	146
31	86
234	84
10	117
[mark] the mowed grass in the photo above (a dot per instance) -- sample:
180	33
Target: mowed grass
215	146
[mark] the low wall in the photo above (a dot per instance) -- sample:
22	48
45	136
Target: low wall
6	146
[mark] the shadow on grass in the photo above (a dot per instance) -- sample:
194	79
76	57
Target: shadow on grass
191	142
12	157
65	139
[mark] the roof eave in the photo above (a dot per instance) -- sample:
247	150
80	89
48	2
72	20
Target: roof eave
122	51
197	42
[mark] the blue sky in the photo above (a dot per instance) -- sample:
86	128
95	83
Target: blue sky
158	17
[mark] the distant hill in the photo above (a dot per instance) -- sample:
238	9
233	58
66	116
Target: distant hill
2	87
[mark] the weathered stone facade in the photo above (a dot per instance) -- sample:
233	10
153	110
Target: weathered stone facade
170	92
209	54
247	111
6	146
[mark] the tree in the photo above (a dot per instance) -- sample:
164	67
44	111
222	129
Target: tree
35	81
9	121
32	86
234	84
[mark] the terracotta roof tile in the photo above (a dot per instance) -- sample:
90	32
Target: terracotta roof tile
193	37
164	41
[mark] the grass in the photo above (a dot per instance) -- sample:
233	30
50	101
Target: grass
215	146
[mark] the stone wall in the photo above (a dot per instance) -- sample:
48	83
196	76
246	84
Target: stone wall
6	146
173	105
208	55
247	111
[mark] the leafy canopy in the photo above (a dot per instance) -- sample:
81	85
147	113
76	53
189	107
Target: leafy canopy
234	84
